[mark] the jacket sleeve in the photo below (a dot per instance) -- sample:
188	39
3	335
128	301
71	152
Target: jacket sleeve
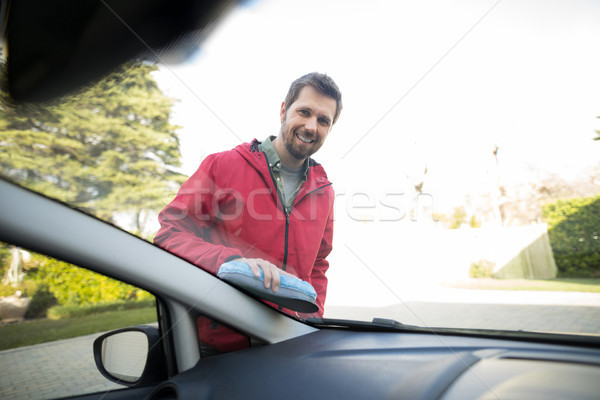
186	223
318	278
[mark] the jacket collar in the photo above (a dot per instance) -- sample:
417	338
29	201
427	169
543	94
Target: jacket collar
316	173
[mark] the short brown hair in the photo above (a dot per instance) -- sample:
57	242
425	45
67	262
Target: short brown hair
322	83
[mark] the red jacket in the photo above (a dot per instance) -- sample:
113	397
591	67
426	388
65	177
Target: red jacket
231	207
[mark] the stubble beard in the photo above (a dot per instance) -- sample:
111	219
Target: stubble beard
289	144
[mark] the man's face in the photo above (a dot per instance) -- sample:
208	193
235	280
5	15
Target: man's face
306	123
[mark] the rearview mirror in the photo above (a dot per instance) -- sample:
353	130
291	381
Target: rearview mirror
130	356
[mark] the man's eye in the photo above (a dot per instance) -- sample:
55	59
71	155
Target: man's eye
304	112
324	122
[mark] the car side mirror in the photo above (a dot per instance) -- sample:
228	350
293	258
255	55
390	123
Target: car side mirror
131	356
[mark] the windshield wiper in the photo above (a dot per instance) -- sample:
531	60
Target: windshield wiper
390	323
376	323
385	324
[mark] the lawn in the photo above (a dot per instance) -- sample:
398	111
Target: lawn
46	330
562	285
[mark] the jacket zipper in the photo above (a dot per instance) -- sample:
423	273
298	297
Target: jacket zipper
287	221
287	214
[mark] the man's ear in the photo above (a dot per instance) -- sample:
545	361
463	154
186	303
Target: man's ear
282	112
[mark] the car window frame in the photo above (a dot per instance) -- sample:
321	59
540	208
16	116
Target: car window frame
31	220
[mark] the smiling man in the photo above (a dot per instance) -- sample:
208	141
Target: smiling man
267	204
307	116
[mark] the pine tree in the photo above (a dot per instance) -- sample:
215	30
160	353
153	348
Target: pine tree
107	149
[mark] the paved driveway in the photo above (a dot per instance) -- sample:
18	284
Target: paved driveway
571	312
50	370
571	319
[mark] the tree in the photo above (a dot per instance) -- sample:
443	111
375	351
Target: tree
107	149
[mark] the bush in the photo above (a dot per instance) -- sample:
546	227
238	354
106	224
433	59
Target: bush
77	286
574	231
482	269
41	297
41	301
51	283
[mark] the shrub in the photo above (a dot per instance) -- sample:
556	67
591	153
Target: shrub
482	269
50	282
41	297
41	301
74	285
574	231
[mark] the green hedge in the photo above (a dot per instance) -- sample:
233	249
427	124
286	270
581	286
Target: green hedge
49	282
72	285
574	231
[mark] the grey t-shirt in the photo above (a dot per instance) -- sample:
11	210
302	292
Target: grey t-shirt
290	179
276	169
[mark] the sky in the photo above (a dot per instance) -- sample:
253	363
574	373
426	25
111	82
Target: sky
434	84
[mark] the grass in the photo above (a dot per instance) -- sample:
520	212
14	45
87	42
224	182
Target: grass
560	284
46	330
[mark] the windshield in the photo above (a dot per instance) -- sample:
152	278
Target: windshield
463	167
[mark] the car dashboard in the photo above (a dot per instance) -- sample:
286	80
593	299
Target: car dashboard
359	365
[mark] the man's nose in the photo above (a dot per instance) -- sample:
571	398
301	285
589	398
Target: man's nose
311	125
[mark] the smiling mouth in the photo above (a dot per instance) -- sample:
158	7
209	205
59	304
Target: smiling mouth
304	138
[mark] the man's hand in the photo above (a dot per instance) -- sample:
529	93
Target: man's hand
270	271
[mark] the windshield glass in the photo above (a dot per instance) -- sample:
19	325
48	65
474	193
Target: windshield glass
464	164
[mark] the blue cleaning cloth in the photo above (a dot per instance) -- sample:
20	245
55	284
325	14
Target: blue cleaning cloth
293	293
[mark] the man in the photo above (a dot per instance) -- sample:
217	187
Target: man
266	204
